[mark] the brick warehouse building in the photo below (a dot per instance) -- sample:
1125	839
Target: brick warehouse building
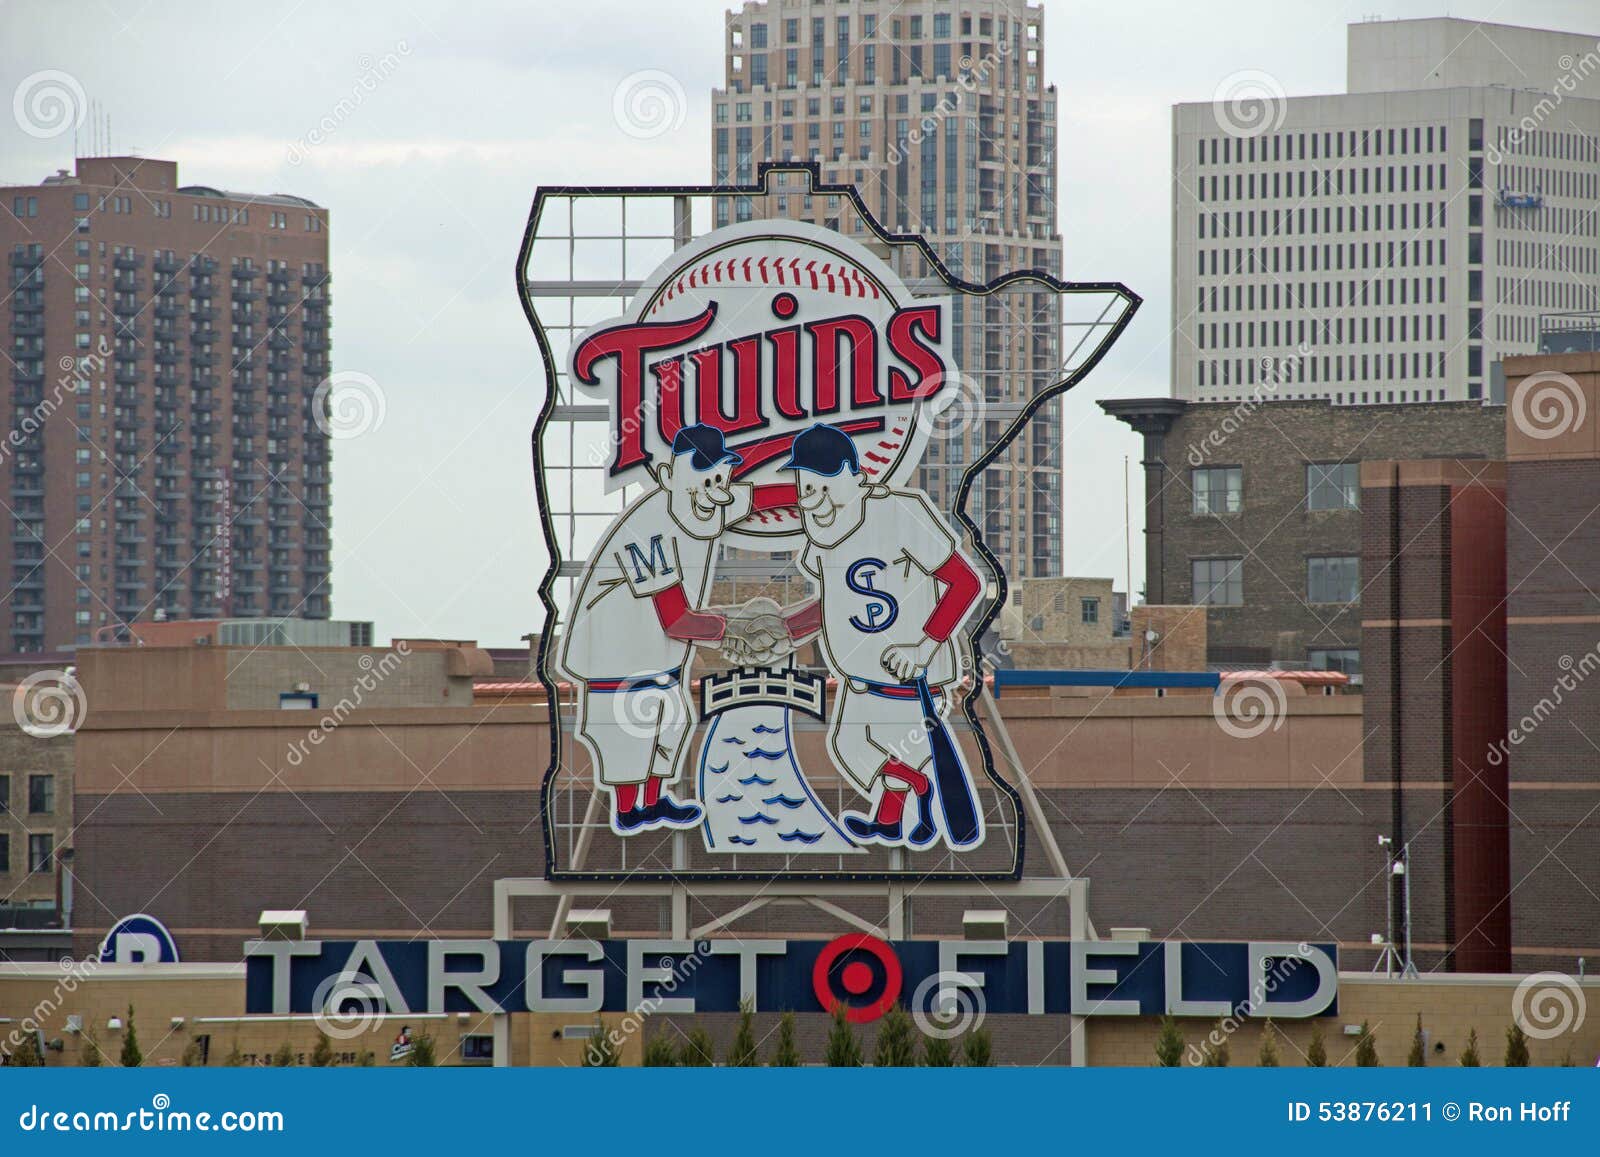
1252	510
165	344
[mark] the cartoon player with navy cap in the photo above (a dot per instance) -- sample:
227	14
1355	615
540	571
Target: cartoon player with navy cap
894	588
637	615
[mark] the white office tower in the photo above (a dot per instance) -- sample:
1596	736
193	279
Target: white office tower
1391	243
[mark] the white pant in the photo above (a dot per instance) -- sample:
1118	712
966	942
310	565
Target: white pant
636	733
868	729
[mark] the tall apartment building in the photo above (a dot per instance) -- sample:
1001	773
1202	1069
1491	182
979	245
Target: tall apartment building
163	458
937	111
1395	242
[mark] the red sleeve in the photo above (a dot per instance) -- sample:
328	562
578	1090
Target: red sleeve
772	495
679	622
805	620
961	587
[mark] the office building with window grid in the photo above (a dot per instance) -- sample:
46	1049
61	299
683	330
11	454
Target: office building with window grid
939	114
163	460
1395	242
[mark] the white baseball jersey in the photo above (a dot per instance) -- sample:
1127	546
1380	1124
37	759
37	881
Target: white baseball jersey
612	628
878	589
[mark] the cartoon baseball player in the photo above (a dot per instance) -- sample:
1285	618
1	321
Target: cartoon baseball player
893	589
637	615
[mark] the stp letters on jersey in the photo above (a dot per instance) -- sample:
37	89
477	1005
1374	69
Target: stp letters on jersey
772	389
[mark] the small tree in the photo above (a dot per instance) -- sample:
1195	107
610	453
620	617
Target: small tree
131	1058
1169	1045
977	1051
423	1054
659	1053
1218	1055
193	1056
843	1050
742	1050
698	1051
235	1058
284	1057
1317	1053
27	1055
1469	1055
322	1054
1267	1058
897	1046
786	1054
1418	1056
89	1056
1516	1047
937	1053
366	1059
600	1053
1366	1048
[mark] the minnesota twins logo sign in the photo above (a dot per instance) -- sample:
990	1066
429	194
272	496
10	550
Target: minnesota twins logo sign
769	394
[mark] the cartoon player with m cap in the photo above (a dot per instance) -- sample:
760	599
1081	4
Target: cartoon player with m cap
893	588
637	615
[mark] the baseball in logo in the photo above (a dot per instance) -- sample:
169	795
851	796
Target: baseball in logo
773	388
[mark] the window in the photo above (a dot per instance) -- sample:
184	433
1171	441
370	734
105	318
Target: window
5	854
41	852
1333	486
1333	579
1090	610
1217	489
41	795
1347	660
1218	582
5	797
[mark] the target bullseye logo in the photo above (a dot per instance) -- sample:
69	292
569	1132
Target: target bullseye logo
859	972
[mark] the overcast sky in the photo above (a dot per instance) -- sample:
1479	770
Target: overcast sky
430	178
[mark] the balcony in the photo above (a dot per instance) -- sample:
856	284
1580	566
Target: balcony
166	310
30	326
205	313
279	296
202	266
127	283
243	316
27	260
315	345
28	303
202	358
278	363
166	263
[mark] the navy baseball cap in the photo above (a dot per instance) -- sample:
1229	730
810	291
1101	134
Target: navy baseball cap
825	450
706	444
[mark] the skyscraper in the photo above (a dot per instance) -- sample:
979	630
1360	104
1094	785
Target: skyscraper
163	460
938	113
1392	243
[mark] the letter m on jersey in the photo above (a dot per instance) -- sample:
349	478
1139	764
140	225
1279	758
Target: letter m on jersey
655	562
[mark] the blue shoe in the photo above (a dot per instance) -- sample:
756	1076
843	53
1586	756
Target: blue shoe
866	830
633	820
667	812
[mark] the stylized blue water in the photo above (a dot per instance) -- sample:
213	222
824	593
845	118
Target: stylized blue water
755	795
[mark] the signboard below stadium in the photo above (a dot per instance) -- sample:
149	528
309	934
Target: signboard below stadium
1284	980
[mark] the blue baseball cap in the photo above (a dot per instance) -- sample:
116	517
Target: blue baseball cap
825	450
706	444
